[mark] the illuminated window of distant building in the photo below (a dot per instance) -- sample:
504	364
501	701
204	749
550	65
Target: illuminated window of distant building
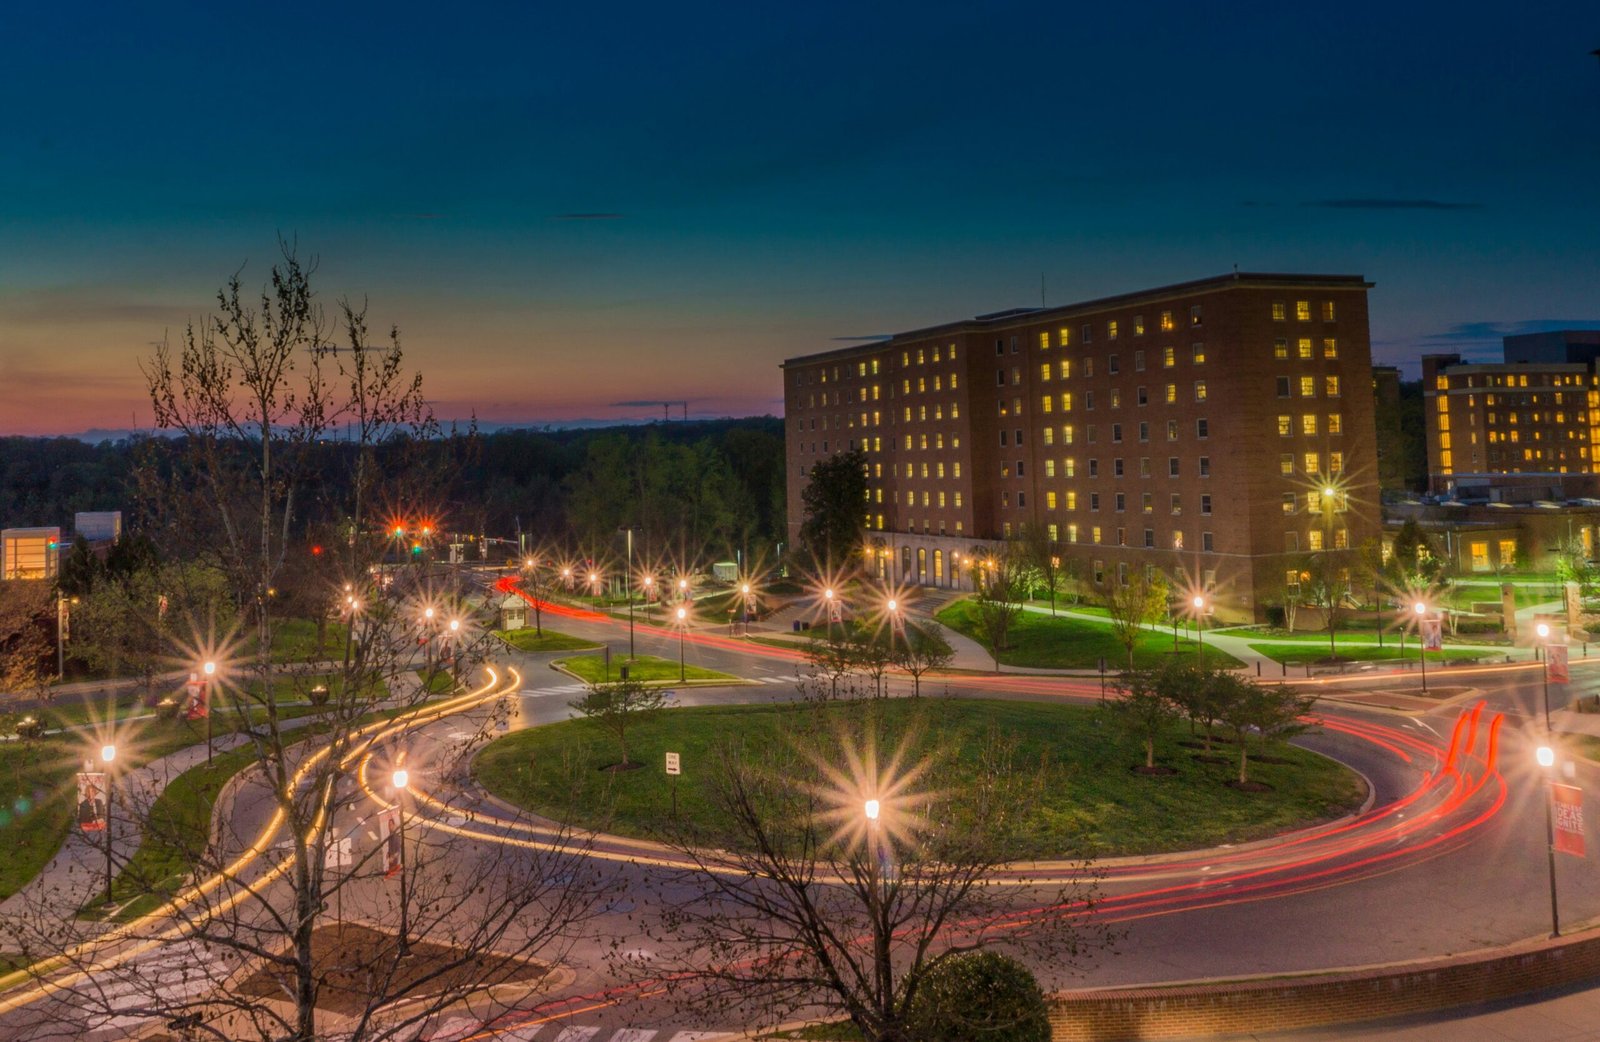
1049	500
1314	539
1049	435
1199	390
1072	533
1335	423
1280	311
1167	325
1330	347
1072	500
1308	423
1327	311
1285	425
1335	463
1286	463
1069	467
1172	430
1111	329
1280	348
1044	340
1302	310
1169	357
1331	383
1308	387
1197	353
1138	325
1313	463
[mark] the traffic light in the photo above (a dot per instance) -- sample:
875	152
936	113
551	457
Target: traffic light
416	549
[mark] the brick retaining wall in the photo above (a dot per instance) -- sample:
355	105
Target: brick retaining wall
1197	1010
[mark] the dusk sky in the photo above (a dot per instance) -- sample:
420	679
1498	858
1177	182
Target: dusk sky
568	206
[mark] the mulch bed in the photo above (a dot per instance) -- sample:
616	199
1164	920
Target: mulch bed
352	960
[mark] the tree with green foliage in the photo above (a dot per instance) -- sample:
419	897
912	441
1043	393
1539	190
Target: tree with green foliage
1273	713
1325	584
618	705
834	509
1135	604
1144	710
979	996
1043	555
923	649
1202	693
997	599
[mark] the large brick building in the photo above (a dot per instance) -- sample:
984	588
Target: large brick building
1524	429
1192	427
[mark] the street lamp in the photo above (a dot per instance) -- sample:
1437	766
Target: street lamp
108	756
1543	630
401	778
744	592
210	670
683	625
1199	603
1547	760
1420	609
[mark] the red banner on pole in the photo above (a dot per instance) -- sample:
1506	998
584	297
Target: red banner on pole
199	705
92	801
1432	635
389	836
1566	803
1555	660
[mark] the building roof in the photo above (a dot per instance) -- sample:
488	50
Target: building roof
1029	315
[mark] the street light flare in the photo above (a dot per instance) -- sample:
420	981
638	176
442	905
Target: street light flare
872	810
1546	755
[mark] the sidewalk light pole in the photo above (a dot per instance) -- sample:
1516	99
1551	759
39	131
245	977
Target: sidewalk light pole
1543	630
108	756
629	581
1199	603
210	671
401	779
1547	759
683	626
1420	609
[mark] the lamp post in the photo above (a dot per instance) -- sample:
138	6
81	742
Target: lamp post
1199	603
108	756
1543	630
683	625
532	566
210	670
427	638
649	597
1420	609
455	634
629	581
827	595
744	596
1547	760
401	778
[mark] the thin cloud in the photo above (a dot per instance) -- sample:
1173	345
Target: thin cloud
1390	204
588	217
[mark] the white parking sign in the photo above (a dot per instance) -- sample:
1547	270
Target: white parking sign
672	763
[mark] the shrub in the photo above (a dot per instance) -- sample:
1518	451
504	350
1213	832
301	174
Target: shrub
979	997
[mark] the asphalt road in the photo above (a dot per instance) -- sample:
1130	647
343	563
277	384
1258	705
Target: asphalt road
1446	860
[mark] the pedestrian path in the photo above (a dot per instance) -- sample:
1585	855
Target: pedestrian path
468	1027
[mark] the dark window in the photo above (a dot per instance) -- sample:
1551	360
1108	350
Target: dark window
1202	429
1205	466
1283	387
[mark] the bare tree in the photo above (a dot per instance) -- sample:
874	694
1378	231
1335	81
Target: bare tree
846	867
247	391
1044	558
618	705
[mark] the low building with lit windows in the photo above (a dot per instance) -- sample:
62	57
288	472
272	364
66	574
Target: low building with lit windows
1198	428
1521	430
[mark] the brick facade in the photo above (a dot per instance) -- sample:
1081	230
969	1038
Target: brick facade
1192	428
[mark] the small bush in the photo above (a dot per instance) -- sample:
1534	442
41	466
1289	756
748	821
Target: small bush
979	997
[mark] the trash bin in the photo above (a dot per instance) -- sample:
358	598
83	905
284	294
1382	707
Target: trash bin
797	625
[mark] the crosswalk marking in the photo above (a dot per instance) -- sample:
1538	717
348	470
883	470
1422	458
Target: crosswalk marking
633	1035
576	1034
696	1036
519	1034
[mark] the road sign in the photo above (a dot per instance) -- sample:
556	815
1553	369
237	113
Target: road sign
1566	803
673	767
340	854
1555	661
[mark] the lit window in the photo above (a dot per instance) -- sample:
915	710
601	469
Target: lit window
1308	387
1335	423
1169	357
1044	340
1138	325
1285	425
1330	347
1279	311
1167	325
1172	430
1280	348
1335	463
1177	539
1199	390
1302	348
1332	385
1069	467
1308	424
1314	539
1291	502
1111	329
1172	393
1197	353
1327	311
1313	463
1286	464
1044	371
1302	310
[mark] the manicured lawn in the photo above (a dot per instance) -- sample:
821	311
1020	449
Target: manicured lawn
295	640
592	669
528	640
439	682
1300	653
1062	643
1094	804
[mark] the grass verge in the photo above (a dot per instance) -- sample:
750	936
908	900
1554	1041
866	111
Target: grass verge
550	640
1093	801
1061	643
592	669
1299	654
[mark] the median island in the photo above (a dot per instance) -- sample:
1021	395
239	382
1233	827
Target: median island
1096	800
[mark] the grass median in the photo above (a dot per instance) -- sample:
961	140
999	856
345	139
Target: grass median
532	641
1042	641
592	669
1094	801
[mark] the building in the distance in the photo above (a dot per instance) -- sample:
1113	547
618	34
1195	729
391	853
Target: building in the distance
30	553
1197	428
1521	430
